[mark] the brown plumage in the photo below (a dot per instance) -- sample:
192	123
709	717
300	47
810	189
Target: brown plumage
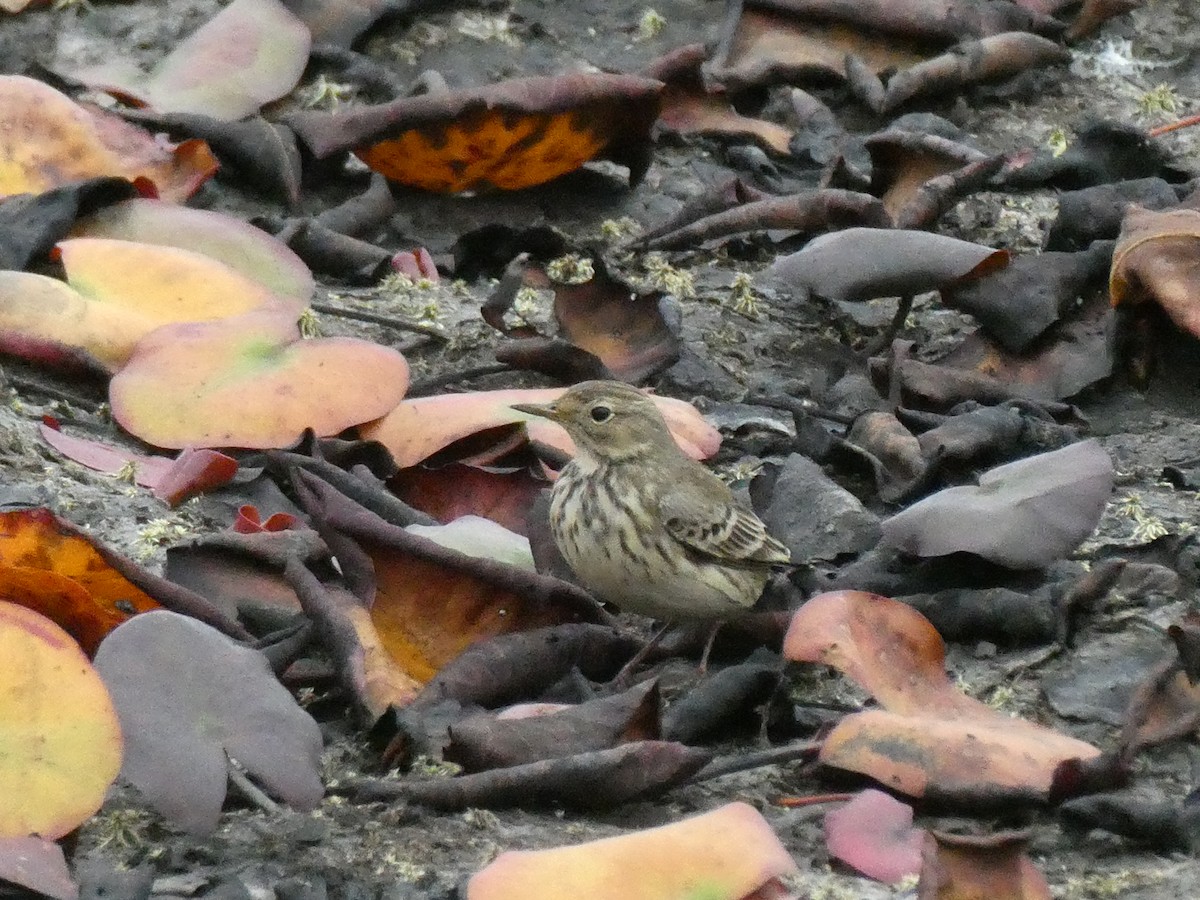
643	525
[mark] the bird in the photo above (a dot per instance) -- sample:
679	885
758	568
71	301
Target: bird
643	525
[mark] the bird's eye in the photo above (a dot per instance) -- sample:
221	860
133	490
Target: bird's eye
601	413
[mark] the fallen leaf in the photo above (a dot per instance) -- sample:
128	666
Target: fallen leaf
249	381
489	741
727	854
509	135
37	539
165	284
964	867
30	224
189	697
49	323
927	739
1155	260
248	54
690	107
1024	515
430	602
450	491
971	62
148	471
247	250
38	865
50	140
902	263
874	834
61	745
604	779
418	428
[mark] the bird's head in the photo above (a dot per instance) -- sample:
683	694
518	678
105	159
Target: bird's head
607	420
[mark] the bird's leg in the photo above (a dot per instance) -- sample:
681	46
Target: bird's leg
624	677
708	645
884	338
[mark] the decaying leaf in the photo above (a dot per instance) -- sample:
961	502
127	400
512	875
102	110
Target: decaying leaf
51	140
248	54
927	739
962	867
508	135
1155	260
418	428
886	263
60	747
730	853
1024	514
249	381
31	224
81	585
691	107
189	700
874	834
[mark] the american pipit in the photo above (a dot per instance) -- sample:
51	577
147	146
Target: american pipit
643	525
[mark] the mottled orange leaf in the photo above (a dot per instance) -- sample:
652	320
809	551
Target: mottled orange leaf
726	854
928	738
60	743
37	539
509	135
65	602
49	140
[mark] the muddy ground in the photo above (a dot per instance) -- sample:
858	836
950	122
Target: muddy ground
378	851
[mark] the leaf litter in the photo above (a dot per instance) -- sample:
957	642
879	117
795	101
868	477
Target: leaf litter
757	336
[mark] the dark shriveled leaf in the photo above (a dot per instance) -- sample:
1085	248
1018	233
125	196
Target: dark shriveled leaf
603	779
1024	514
864	263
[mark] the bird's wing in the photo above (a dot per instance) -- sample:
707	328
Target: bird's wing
723	530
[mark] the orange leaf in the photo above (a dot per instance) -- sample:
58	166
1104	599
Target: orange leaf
37	539
929	737
510	135
61	600
60	745
49	140
1155	259
725	854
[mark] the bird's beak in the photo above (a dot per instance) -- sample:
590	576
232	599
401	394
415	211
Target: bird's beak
542	410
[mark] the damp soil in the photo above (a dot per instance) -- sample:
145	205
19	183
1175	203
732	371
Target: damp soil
404	851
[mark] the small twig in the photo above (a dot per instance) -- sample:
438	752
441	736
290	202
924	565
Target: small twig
812	800
434	382
34	386
727	765
797	406
377	319
1174	126
249	789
